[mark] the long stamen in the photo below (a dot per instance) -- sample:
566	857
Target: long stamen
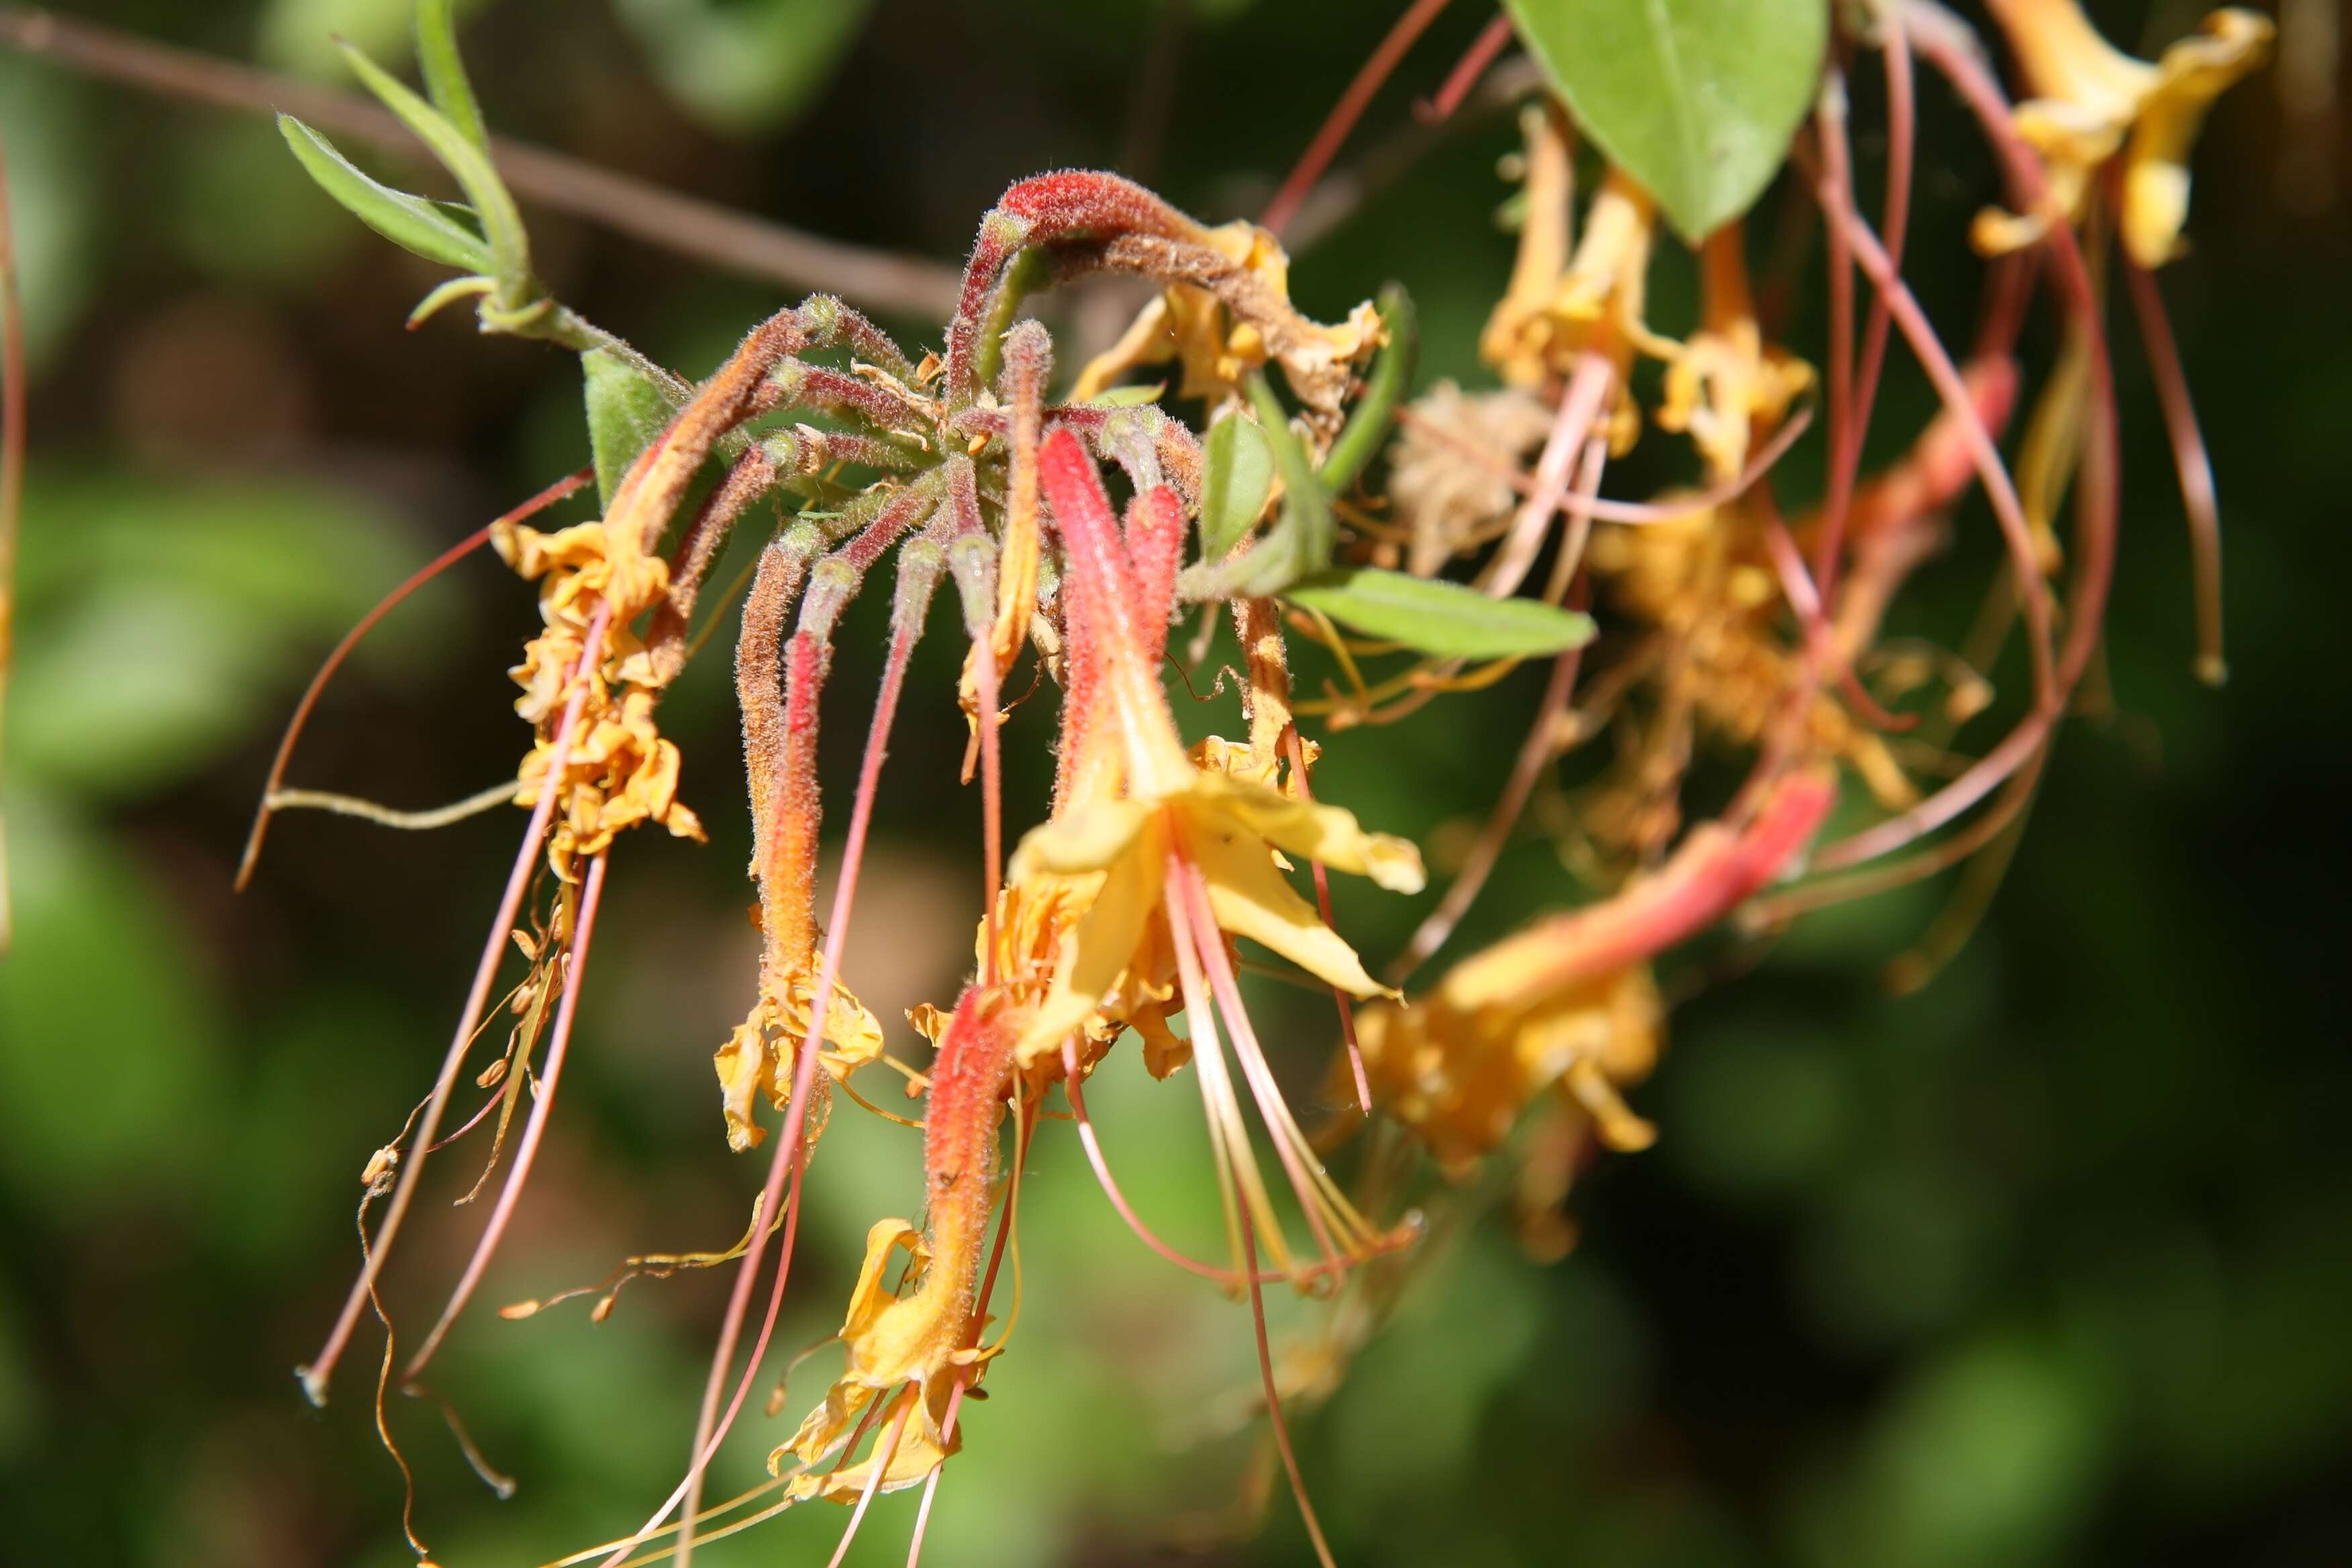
272	793
1950	53
1273	1401
1326	1208
1344	114
884	1452
1464	76
1937	360
584	925
2191	461
709	1428
1579	407
1237	1176
316	1375
1345	1003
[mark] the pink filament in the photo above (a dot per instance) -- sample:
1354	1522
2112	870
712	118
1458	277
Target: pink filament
1346	112
315	1376
542	1104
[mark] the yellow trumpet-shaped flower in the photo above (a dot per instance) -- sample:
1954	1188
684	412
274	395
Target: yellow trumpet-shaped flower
1139	803
1227	828
2091	100
1564	301
926	1342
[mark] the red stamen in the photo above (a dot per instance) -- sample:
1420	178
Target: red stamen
583	926
1465	73
709	1428
1224	1279
884	1452
2191	461
424	574
1323	907
1845	462
1274	1399
315	1375
1346	112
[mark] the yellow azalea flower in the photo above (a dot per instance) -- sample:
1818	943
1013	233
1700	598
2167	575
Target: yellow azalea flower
919	1339
2090	101
618	770
928	1339
1564	303
1033	916
1461	1076
1226	326
1229	829
758	1056
1725	381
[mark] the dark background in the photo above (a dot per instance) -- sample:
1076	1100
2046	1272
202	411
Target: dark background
2049	1262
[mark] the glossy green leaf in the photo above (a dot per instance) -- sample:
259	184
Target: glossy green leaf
626	409
411	222
1694	98
1367	425
1440	617
470	167
1237	477
444	72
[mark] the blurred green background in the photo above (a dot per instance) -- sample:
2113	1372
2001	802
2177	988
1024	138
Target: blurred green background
2049	1262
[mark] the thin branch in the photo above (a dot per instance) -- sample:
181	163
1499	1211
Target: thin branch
880	281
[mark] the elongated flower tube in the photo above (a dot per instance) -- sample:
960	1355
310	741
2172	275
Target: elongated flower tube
1166	855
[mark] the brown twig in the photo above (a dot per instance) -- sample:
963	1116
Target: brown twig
880	281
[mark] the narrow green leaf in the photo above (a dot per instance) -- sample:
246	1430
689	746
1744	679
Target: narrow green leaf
1237	477
1440	617
470	167
444	72
1368	427
1694	98
1301	539
411	222
626	409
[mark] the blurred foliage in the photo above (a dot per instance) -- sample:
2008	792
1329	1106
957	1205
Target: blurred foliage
2047	1262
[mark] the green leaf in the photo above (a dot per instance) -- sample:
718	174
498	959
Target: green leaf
410	222
1368	427
470	167
626	409
1694	98
1440	617
1300	543
1236	478
444	72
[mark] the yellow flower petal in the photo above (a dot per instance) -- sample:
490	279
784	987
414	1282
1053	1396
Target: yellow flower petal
1248	898
1105	944
1325	832
1088	839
